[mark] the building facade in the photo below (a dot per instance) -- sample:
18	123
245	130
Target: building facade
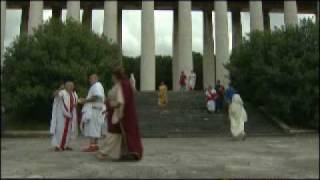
213	66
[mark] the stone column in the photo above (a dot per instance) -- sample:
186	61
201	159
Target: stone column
222	41
175	53
35	15
119	31
208	65
3	28
290	12
110	22
185	62
317	13
236	28
266	20
56	12
87	17
73	9
147	64
256	15
24	19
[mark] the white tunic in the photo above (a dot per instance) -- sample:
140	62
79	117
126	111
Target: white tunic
92	113
211	105
237	115
64	120
192	80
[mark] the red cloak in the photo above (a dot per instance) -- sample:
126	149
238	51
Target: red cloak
128	125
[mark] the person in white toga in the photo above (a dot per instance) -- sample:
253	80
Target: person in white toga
63	126
192	80
238	117
93	117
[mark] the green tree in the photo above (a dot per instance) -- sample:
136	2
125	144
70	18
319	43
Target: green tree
280	70
36	65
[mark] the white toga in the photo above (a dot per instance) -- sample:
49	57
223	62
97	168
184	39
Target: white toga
237	116
192	80
92	113
60	113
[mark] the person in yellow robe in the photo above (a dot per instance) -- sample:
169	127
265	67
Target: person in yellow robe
163	98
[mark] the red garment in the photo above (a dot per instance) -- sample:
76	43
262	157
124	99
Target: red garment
67	120
211	96
221	90
183	79
128	125
130	121
112	128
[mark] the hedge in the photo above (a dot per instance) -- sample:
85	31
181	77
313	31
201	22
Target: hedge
36	65
280	71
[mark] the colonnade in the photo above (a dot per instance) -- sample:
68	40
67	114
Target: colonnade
213	67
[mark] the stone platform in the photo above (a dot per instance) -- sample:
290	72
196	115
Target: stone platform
219	157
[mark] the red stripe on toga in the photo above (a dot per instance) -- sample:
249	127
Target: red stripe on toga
65	132
66	124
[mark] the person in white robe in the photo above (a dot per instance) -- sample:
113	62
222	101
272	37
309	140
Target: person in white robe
237	116
133	81
63	126
192	80
93	123
211	96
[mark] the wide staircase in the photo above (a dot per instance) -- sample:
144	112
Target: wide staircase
186	116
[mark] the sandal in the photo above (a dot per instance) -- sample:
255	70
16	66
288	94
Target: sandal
128	158
91	148
57	149
68	149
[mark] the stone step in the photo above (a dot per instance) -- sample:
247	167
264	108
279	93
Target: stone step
186	115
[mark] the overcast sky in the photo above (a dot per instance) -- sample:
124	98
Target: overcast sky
131	28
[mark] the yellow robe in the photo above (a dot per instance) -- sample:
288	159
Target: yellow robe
163	98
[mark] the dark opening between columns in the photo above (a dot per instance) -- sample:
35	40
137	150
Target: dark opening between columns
24	19
236	28
87	16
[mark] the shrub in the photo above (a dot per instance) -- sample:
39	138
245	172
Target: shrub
280	70
36	65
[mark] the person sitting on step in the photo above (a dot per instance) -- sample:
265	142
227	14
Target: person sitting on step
211	97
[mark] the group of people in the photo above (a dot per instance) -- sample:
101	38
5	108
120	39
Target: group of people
216	99
113	117
187	83
217	96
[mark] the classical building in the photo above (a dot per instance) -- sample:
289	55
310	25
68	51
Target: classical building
213	68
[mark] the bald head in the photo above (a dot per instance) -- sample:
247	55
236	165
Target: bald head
93	78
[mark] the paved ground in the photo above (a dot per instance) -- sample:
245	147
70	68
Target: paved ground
220	157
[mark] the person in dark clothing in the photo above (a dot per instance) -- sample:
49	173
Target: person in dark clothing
220	91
